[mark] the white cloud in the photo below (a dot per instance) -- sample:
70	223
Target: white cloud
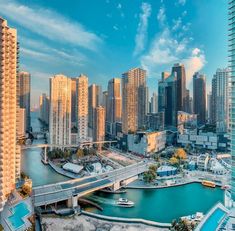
194	63
115	27
142	28
161	15
182	2
177	24
119	6
34	49
50	24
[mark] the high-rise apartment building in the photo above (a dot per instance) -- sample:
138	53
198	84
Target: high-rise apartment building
44	106
21	122
82	107
213	100
24	95
179	69
220	89
94	100
73	102
9	150
114	107
232	118
60	110
134	100
199	97
99	124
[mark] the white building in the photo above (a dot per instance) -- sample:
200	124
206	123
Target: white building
60	110
145	143
21	122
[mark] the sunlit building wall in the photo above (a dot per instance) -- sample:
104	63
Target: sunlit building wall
9	151
82	107
60	110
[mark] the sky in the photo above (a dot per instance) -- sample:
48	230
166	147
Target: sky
105	38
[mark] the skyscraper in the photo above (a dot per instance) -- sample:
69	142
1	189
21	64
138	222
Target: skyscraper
154	105
44	108
60	110
9	150
24	95
199	97
167	100
213	100
232	118
99	124
221	92
73	102
94	101
181	86
134	100
82	107
114	107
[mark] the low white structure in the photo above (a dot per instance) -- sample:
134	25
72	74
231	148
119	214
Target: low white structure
72	167
147	142
208	140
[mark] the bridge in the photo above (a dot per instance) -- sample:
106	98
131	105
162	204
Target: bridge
80	144
73	189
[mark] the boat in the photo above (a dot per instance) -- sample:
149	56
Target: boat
208	183
123	202
225	186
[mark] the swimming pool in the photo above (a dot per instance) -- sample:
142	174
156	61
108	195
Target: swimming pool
18	212
214	220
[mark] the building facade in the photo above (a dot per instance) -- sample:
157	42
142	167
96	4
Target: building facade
134	100
44	106
60	110
9	150
154	103
114	105
199	97
73	102
24	95
82	107
99	125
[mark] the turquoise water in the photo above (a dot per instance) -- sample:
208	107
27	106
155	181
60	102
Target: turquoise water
213	221
19	211
31	162
162	205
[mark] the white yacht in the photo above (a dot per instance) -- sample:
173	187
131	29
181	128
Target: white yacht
125	203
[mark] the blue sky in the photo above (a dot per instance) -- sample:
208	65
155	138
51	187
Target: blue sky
104	38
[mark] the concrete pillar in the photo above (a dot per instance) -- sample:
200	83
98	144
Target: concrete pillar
116	186
72	202
45	155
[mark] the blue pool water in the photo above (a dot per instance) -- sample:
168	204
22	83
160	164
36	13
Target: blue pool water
19	211
213	221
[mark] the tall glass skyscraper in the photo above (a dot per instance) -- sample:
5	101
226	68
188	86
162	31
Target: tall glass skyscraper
232	65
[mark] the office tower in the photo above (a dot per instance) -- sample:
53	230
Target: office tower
44	106
73	102
181	86
10	151
167	100
60	110
94	100
24	95
114	107
221	96
213	100
134	100
187	102
232	118
199	97
105	101
82	107
154	104
99	124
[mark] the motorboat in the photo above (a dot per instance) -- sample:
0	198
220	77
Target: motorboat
125	203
